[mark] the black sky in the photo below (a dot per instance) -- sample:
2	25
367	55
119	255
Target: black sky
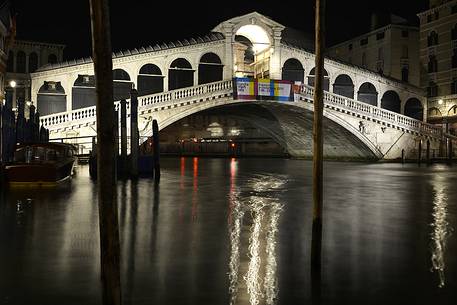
137	23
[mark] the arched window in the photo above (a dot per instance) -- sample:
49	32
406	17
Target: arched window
405	74
344	86
51	98
367	93
454	33
311	79
33	62
432	39
432	64
121	85
20	62
150	80
210	69
180	74
10	64
293	70
391	101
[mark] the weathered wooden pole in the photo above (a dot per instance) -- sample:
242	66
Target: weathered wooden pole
402	156
134	133
449	154
20	121
123	136
156	150
318	143
116	143
108	218
428	152
419	156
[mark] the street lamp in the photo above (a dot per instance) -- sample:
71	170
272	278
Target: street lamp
12	83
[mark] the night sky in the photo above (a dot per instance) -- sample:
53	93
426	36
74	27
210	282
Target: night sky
137	23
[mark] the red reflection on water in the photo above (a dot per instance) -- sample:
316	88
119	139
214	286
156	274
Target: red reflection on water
194	188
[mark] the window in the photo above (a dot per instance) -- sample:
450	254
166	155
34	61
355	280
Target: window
454	59
380	36
404	34
20	62
454	32
405	74
432	89
350	46
454	88
364	41
404	52
454	9
432	64
432	39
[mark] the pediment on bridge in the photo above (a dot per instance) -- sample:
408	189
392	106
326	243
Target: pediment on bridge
254	18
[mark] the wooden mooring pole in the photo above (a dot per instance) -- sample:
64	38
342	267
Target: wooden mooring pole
156	150
108	218
419	156
134	141
318	147
123	137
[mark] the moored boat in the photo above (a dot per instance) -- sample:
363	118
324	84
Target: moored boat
41	164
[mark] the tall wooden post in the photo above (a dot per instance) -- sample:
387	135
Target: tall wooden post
428	152
449	151
134	133
419	156
123	136
318	143
156	150
108	218
116	143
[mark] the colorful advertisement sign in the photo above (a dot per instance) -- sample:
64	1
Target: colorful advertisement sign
262	89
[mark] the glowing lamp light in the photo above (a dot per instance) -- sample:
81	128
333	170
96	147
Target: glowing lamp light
440	101
13	84
233	145
29	103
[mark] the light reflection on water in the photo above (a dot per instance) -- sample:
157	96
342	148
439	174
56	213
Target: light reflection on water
261	210
441	228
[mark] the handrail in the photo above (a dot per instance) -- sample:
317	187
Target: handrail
374	112
178	96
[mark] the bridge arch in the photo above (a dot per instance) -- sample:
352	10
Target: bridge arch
150	79
344	86
83	93
180	74
391	101
367	94
287	127
122	84
51	98
311	79
414	109
293	70
210	68
452	110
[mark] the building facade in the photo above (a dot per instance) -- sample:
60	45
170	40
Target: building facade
7	33
391	50
438	60
25	57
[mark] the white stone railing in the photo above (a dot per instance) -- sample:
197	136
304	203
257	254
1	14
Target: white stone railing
144	102
178	96
374	112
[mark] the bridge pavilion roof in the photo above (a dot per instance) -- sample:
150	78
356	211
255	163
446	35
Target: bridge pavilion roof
213	36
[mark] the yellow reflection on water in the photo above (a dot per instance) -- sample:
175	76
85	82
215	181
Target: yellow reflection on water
252	265
441	229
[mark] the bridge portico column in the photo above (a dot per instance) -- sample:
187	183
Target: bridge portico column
228	64
275	56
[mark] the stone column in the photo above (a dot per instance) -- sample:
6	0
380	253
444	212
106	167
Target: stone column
275	55
228	64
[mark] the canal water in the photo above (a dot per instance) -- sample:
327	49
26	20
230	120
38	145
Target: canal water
237	231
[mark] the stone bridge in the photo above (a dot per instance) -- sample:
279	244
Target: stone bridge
366	115
352	129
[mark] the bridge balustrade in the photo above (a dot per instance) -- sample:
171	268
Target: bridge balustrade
177	96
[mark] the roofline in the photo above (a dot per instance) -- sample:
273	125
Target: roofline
211	37
392	25
49	44
436	8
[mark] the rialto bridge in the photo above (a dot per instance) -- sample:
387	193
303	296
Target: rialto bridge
366	114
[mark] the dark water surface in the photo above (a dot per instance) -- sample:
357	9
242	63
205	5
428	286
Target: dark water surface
221	231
